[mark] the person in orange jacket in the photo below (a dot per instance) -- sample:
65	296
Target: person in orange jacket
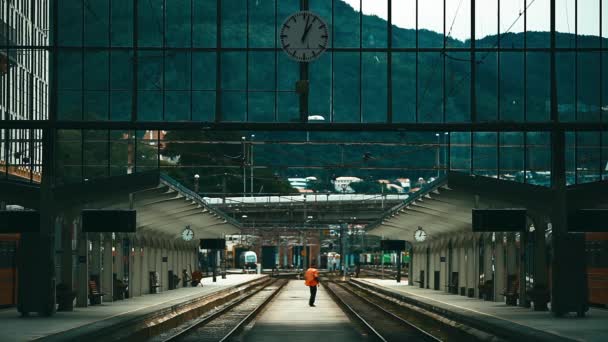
312	281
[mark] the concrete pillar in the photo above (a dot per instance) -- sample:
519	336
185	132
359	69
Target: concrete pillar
118	255
500	273
462	279
144	250
108	269
157	265
523	300
164	258
82	269
541	277
471	268
67	276
135	270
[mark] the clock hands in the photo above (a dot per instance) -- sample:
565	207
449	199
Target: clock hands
307	28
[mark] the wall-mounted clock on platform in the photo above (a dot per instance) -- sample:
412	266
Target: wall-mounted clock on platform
304	36
420	235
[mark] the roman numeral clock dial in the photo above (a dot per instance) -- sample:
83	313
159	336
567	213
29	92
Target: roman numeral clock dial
304	36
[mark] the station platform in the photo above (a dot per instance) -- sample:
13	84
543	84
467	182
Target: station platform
84	321
514	321
289	318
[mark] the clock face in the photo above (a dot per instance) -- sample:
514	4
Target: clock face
187	234
304	36
420	235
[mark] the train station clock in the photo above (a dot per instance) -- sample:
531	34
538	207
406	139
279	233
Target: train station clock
304	36
420	235
187	234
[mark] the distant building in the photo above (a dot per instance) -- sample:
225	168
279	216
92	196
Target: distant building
342	184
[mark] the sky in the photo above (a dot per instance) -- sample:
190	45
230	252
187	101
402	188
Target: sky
458	12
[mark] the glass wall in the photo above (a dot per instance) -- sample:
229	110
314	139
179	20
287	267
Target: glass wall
388	61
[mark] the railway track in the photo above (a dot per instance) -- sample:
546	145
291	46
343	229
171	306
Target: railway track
381	323
227	320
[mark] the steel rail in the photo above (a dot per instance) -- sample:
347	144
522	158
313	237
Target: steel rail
342	303
203	321
423	332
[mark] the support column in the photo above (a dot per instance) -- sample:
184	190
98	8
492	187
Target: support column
499	274
523	240
67	275
135	269
83	269
164	267
541	288
108	269
144	250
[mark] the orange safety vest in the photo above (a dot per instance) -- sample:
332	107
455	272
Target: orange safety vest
311	277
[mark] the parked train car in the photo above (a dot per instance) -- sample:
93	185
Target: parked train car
597	268
249	259
8	269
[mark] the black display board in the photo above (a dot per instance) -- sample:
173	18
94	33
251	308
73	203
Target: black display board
588	220
19	221
213	243
108	221
392	245
499	220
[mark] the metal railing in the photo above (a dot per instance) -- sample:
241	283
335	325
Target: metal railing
190	194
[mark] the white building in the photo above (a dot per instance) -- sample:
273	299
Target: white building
342	184
24	83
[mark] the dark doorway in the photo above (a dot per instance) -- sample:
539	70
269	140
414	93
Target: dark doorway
269	256
421	279
436	280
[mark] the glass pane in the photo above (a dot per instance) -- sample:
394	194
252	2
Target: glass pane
512	86
261	107
588	157
487	86
566	80
149	70
204	23
234	25
458	23
96	105
457	87
234	70
96	23
538	89
404	87
374	27
203	106
565	23
178	17
262	71
121	66
570	158
403	16
319	101
69	69
288	101
203	70
261	23
122	23
588	24
234	106
512	23
177	70
122	152
588	86
346	23
96	70
150	23
149	105
147	151
69	23
68	167
512	156
460	151
430	88
177	105
374	87
604	151
430	32
121	105
486	23
69	104
538	158
346	87
485	159
538	22
96	154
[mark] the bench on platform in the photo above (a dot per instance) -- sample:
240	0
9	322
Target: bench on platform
512	290
94	294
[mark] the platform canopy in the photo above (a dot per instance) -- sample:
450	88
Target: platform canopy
445	207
